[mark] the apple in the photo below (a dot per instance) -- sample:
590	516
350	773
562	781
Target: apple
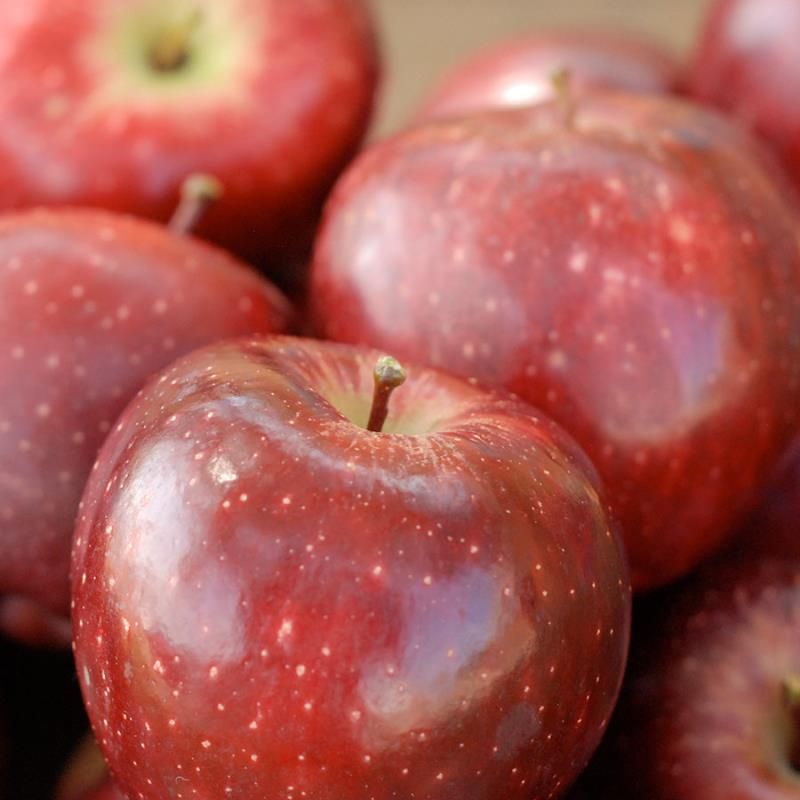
748	63
521	71
271	599
91	304
112	104
712	711
628	263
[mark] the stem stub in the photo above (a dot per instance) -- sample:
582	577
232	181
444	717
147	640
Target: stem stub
198	193
388	375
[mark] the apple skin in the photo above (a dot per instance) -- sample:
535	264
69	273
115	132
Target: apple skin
701	715
632	269
520	72
91	304
266	595
747	62
273	102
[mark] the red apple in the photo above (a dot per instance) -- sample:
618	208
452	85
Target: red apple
712	712
272	601
112	104
628	263
521	72
748	63
91	304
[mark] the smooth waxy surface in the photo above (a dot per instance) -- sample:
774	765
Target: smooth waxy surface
272	601
632	267
91	304
521	72
748	63
703	709
272	98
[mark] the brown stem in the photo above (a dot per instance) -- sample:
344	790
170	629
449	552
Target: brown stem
198	193
388	375
791	700
173	46
561	80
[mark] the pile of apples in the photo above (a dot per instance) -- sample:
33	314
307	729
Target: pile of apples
377	534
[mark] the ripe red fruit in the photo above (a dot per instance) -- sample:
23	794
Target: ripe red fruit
268	595
521	71
748	63
631	267
91	304
113	104
711	710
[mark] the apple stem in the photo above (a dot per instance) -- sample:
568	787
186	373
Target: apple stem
171	49
561	81
791	700
198	193
388	375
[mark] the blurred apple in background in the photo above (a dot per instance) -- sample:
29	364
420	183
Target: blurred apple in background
628	263
748	62
112	104
521	72
269	591
91	304
711	705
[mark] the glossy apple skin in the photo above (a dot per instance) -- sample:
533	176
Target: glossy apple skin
86	122
747	62
520	72
267	595
91	305
702	706
634	272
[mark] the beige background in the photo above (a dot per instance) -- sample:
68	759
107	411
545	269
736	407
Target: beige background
421	38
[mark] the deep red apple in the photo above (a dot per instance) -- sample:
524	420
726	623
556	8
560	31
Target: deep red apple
521	72
748	62
271	600
112	104
629	263
91	304
712	711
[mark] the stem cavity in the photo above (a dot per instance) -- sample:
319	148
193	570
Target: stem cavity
172	48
